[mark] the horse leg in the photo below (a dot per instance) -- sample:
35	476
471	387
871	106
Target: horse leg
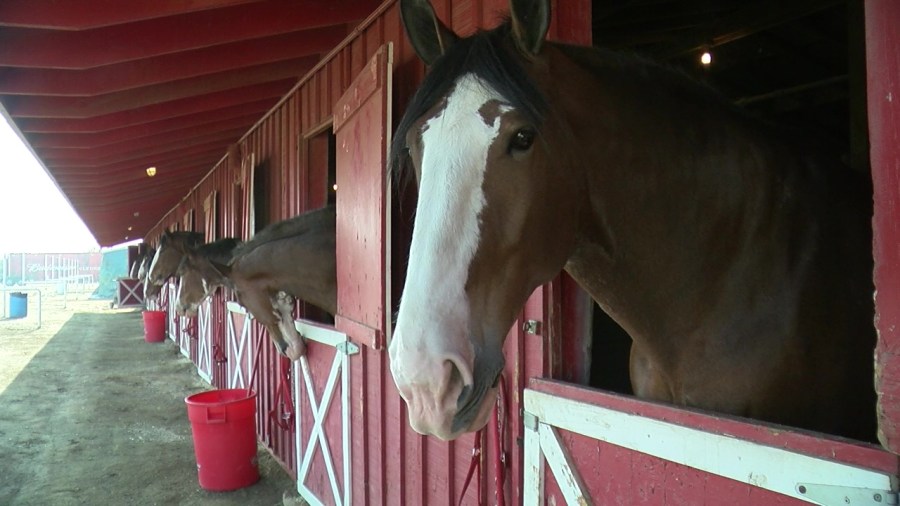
283	304
259	304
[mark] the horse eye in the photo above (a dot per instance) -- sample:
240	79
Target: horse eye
522	140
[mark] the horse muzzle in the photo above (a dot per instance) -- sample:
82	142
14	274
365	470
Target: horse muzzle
186	310
442	399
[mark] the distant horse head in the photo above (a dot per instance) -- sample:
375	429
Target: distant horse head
199	276
146	260
172	247
727	251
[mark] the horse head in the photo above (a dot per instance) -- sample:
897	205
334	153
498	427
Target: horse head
492	183
172	247
146	259
199	275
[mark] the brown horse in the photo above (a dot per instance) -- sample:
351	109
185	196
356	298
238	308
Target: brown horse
738	260
199	277
172	247
287	259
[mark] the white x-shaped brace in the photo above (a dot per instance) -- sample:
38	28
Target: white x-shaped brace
318	410
204	351
237	345
133	293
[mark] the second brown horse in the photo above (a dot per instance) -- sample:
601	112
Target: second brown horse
294	258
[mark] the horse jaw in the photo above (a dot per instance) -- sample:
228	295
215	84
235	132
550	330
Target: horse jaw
432	353
283	306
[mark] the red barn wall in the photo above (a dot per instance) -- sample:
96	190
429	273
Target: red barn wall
392	464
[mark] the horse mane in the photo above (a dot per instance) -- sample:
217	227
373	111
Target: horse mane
182	238
488	55
298	225
219	251
639	68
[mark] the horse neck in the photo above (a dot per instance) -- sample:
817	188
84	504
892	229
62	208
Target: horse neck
678	190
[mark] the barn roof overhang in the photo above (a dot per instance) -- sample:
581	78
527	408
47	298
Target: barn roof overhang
102	90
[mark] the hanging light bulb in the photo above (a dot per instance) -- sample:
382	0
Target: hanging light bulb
151	171
706	58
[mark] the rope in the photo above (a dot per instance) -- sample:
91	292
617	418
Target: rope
284	419
473	464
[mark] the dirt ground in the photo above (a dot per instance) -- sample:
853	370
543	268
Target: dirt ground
92	414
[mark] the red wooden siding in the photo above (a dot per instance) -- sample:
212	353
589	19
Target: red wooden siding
391	464
883	68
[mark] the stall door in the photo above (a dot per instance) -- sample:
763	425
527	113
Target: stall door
238	355
205	339
362	122
170	290
362	119
583	446
205	321
322	424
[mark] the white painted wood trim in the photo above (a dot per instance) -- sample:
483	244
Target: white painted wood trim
205	337
319	409
748	462
345	421
567	477
317	435
533	482
237	346
184	337
320	334
234	307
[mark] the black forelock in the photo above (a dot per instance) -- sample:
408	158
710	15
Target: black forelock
487	55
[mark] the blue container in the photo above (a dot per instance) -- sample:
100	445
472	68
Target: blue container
18	305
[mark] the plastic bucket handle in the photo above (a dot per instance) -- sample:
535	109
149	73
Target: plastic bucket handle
214	415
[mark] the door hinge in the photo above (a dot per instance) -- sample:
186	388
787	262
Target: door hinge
838	495
347	348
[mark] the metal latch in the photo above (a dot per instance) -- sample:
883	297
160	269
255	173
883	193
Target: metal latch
347	348
532	327
837	495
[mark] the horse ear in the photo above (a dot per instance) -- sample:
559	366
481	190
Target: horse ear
429	37
530	22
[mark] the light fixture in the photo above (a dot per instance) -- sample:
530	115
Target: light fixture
129	229
706	58
334	187
151	171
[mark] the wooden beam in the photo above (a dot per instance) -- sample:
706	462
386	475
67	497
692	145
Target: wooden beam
170	67
753	17
108	45
265	93
83	107
52	14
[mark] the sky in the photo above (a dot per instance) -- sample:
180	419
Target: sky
34	215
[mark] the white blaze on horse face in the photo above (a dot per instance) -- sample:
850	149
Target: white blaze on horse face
431	339
149	280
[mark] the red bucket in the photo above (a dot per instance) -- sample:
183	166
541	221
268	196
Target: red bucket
154	326
223	423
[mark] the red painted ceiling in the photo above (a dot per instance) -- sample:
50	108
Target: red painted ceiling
104	89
